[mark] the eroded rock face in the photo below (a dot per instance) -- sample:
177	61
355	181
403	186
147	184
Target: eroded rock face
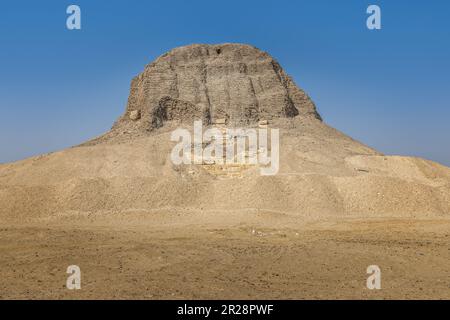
236	82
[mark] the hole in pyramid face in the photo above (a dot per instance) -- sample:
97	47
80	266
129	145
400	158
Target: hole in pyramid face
218	51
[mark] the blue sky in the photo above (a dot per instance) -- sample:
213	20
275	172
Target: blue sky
389	88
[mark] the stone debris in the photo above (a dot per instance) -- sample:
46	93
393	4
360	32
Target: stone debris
135	115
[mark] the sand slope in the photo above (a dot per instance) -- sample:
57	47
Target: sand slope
322	173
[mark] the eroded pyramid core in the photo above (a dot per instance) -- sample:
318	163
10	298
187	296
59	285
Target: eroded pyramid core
235	82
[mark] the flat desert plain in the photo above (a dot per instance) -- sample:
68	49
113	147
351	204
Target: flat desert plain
213	255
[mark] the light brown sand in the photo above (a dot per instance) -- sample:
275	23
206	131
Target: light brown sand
180	258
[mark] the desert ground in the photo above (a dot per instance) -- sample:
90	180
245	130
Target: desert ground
213	255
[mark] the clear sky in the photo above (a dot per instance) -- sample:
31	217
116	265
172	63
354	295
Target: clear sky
388	88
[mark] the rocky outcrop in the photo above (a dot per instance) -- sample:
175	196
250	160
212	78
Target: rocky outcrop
236	82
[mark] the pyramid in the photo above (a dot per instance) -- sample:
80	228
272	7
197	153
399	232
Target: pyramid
322	172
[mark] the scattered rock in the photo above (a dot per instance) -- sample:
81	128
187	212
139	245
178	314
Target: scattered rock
135	115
